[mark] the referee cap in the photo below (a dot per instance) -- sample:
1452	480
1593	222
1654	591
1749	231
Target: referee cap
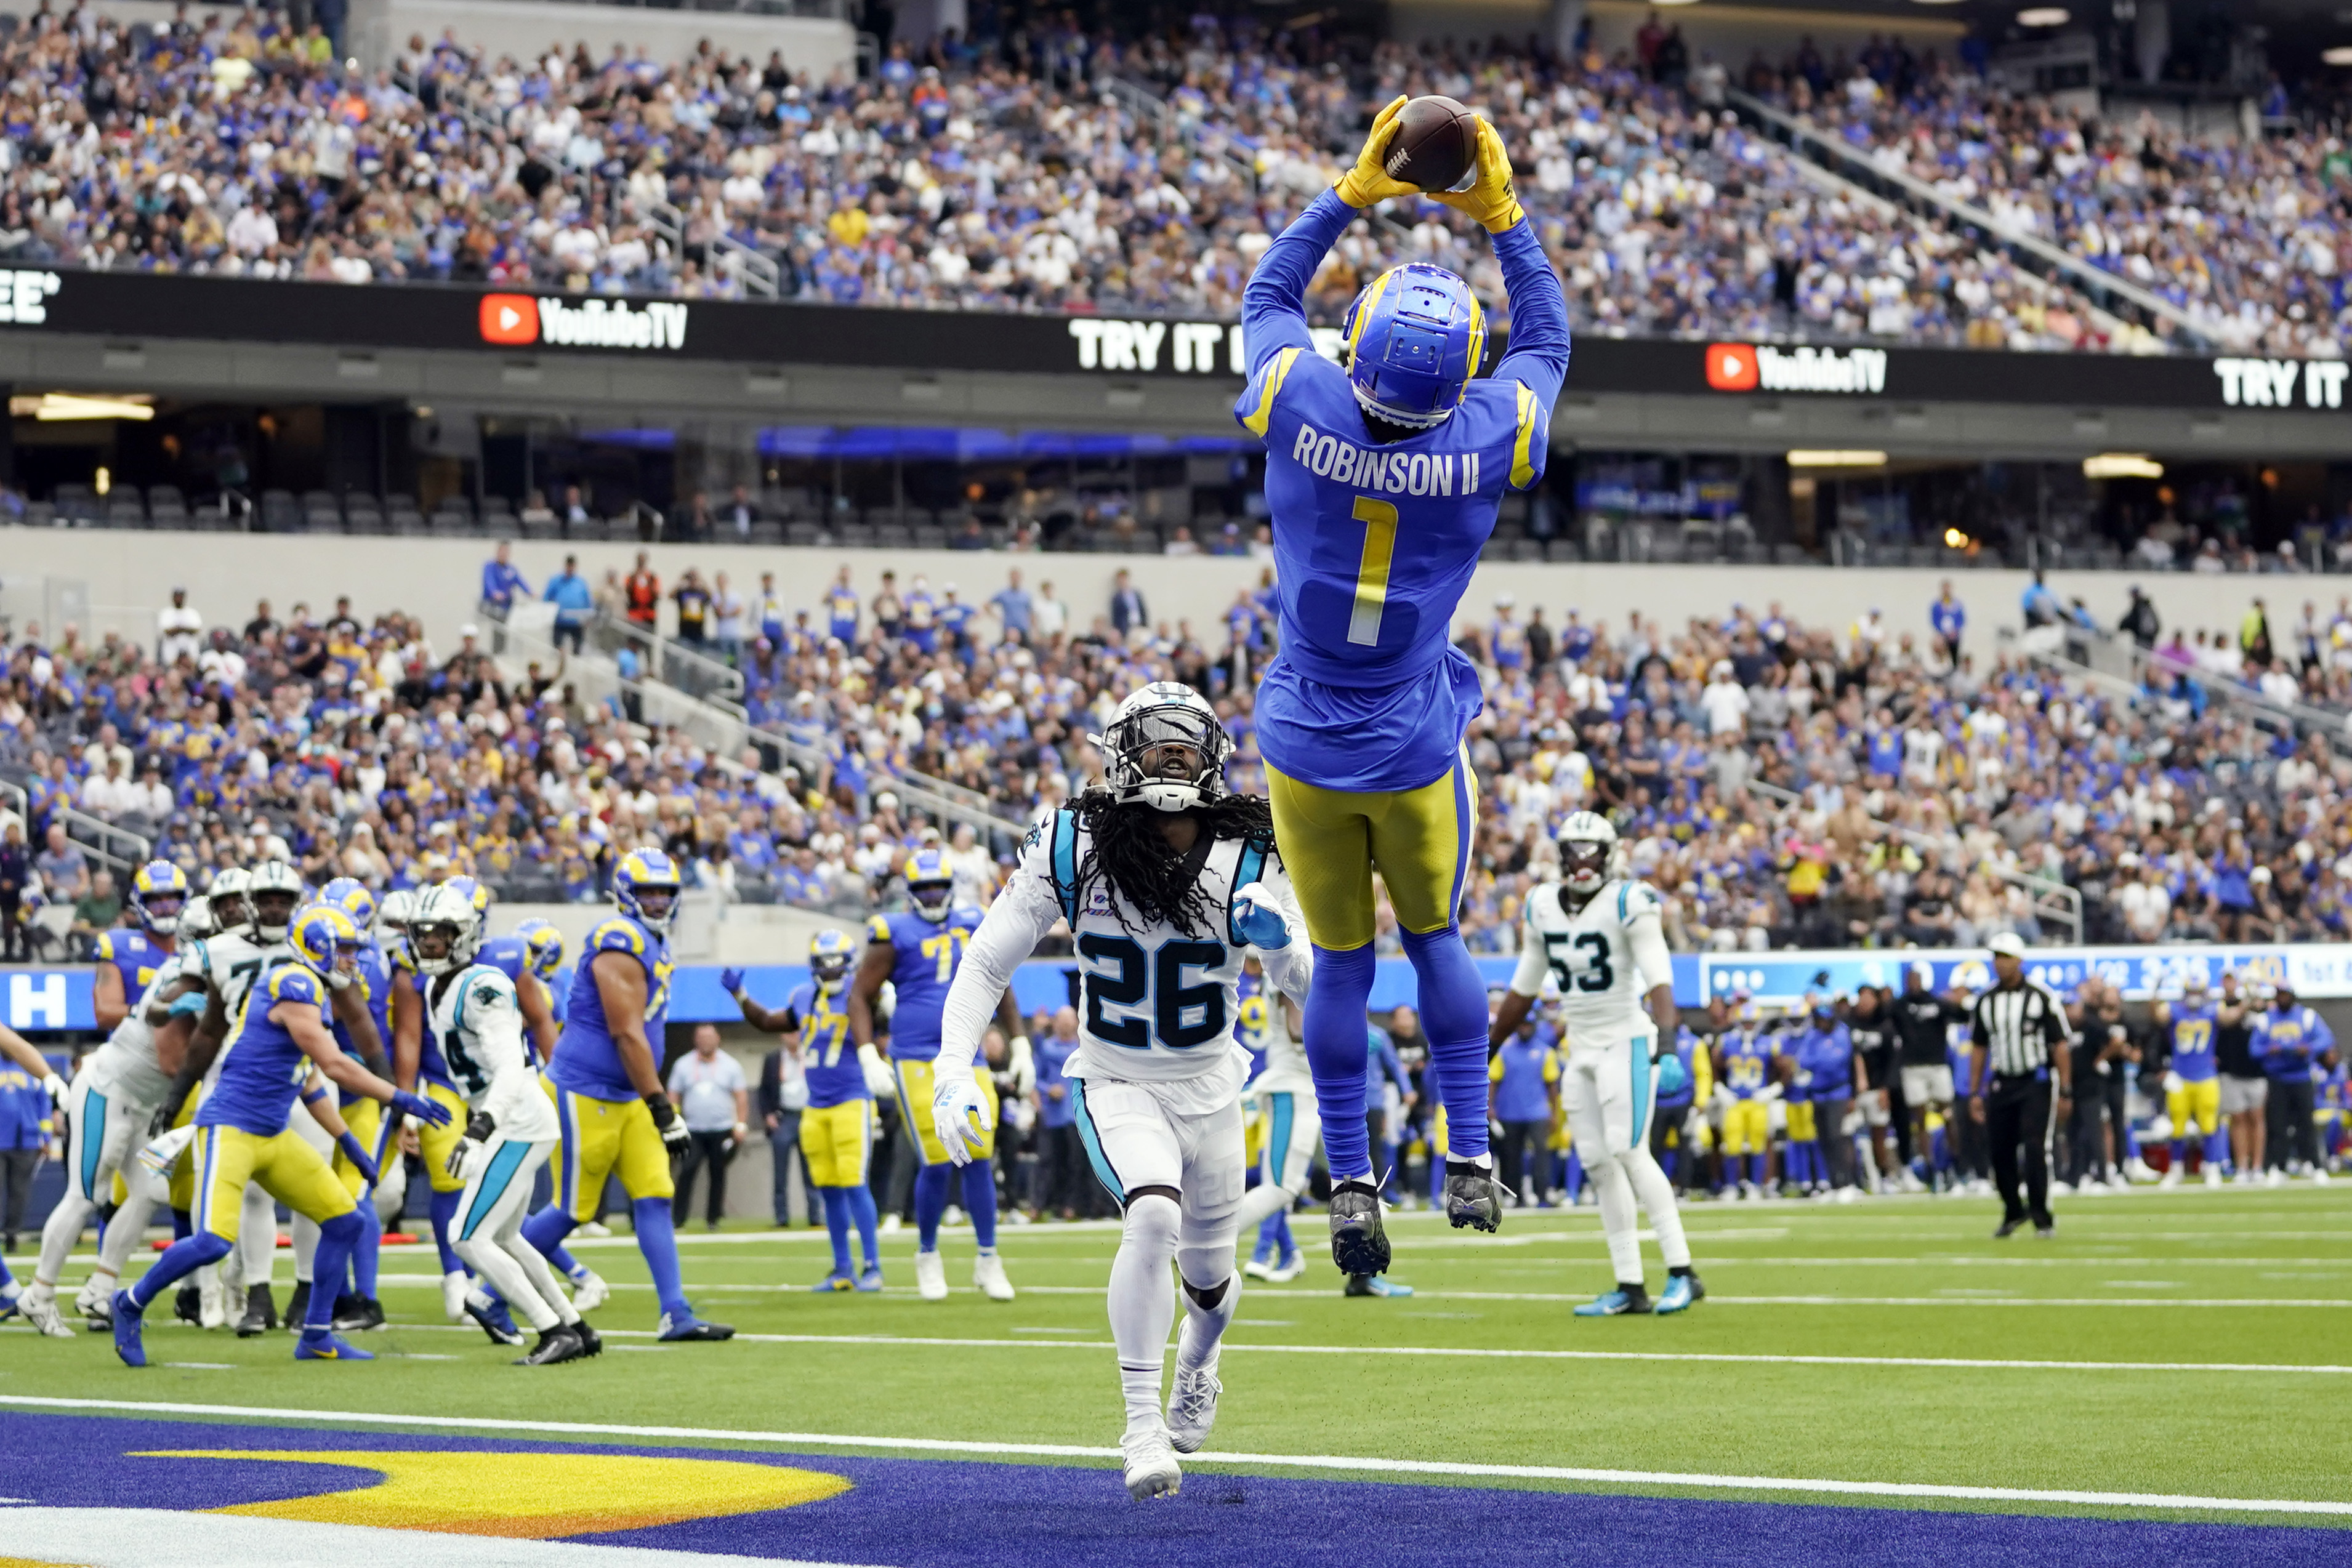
2008	943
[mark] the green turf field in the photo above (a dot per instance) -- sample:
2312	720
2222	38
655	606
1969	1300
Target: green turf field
2190	1343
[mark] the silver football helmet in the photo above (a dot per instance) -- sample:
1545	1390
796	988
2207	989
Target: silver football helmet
1586	843
1165	748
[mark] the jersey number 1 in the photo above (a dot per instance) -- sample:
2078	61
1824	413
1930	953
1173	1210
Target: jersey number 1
1379	520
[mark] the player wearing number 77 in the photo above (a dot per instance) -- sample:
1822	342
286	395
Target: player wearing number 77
1600	937
1167	884
1383	481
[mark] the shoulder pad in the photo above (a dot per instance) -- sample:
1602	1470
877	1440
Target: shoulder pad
966	914
879	930
106	946
617	935
293	983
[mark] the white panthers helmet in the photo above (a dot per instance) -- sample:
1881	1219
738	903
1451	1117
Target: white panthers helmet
196	920
1586	843
445	932
224	900
1165	746
272	879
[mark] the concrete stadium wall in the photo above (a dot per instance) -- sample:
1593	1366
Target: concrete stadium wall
129	577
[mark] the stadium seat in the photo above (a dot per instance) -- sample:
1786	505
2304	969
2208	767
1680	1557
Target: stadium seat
803	535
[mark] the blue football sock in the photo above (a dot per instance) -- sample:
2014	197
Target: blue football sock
1269	1237
931	1203
182	1226
1334	1034
1452	999
2217	1149
363	1252
1759	1170
445	1209
572	1268
546	1230
861	1210
180	1259
336	1239
658	1242
980	1202
836	1223
1285	1247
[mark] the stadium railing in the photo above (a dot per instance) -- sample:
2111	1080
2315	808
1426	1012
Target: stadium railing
120	849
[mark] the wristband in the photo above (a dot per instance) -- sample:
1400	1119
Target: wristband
312	1096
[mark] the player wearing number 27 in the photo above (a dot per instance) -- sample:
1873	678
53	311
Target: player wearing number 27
1383	481
1600	937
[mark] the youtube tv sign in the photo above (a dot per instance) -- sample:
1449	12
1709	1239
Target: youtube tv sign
518	320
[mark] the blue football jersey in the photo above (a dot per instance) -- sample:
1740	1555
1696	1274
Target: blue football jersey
262	1069
586	1059
827	1054
377	977
1374	542
924	959
135	955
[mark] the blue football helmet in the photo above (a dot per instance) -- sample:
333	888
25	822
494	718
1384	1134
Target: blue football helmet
158	892
930	884
1414	338
829	957
476	895
351	896
645	888
322	937
542	946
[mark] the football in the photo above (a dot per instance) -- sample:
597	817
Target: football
1435	146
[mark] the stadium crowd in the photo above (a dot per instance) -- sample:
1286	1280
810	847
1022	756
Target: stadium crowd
1007	177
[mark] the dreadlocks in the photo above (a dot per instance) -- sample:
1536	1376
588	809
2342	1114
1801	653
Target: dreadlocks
1126	846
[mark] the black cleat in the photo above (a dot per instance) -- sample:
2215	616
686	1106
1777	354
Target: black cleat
590	1342
556	1344
1359	1239
187	1305
355	1314
297	1308
260	1311
2008	1228
1473	1196
2045	1228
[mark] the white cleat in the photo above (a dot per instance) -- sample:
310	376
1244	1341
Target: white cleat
590	1293
40	1309
1258	1269
2140	1170
930	1277
212	1300
2212	1175
89	1300
1847	1194
1282	1273
2118	1182
2277	1178
454	1286
2319	1174
1192	1409
988	1276
2172	1178
1151	1466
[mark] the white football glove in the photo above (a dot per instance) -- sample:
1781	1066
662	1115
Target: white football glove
2172	1083
1023	1063
54	1088
880	1082
159	1155
959	1116
391	1187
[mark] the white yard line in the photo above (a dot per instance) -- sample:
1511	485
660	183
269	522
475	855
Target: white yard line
1386	1468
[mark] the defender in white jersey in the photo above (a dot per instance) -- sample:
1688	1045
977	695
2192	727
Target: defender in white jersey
1166	881
478	1019
1285	1093
1600	938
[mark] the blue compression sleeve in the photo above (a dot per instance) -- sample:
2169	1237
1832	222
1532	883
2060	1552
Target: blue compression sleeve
180	1259
546	1231
861	1211
337	1237
1333	1035
364	1256
1453	1013
657	1240
836	1223
445	1209
931	1203
980	1201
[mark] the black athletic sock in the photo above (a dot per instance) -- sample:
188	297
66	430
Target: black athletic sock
1681	1273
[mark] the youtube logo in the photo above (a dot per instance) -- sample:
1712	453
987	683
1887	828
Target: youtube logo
511	320
1730	367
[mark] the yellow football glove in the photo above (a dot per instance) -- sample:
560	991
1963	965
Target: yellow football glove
1490	198
1369	181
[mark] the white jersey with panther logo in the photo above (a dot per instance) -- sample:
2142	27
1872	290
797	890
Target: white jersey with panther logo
126	1063
1606	956
1286	1059
478	1022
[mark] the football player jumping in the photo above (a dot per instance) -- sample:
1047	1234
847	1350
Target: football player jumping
1168	883
1383	483
1600	937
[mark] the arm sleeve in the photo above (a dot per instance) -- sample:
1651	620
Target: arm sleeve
1647	935
1528	979
1274	312
1289	968
1537	358
1010	932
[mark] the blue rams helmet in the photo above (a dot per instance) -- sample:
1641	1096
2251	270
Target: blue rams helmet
645	887
829	957
542	946
1414	338
158	892
321	936
351	896
476	895
930	884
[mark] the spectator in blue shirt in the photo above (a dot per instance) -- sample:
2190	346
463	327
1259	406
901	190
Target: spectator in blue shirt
1949	617
1012	603
25	1129
502	582
1066	1183
1382	1063
2288	1040
572	598
2040	603
1524	1091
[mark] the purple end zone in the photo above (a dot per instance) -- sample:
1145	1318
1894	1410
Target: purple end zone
945	1513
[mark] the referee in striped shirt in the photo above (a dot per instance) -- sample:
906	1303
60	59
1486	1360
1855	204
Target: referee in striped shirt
2020	1028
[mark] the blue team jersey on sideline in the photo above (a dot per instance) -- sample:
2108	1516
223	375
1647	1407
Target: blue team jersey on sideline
586	1059
135	957
1375	543
2286	1043
827	1054
377	977
1747	1062
263	1069
924	960
2193	1043
1828	1055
